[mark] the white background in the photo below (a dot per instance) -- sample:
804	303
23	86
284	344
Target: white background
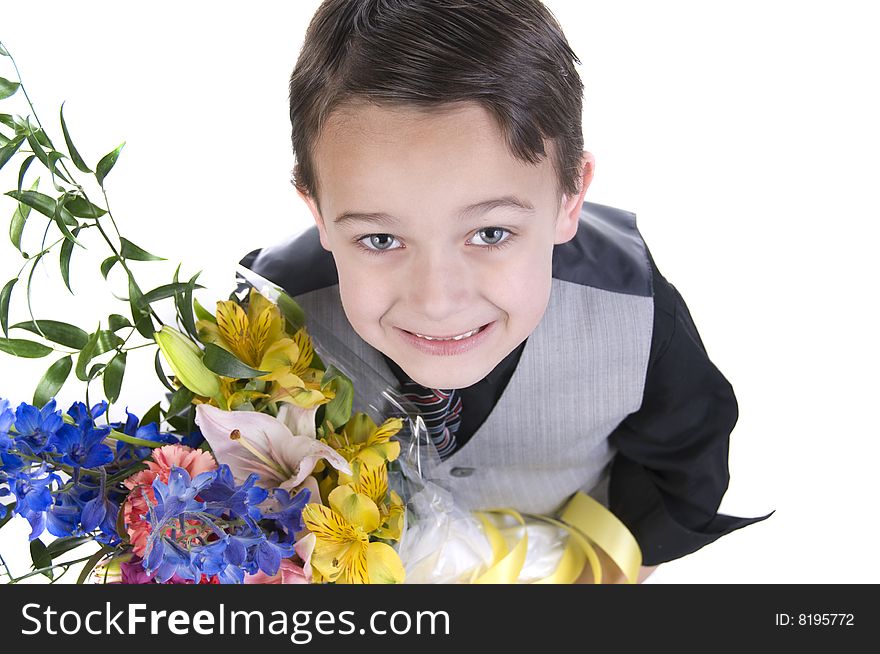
744	135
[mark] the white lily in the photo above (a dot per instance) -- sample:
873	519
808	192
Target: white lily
248	441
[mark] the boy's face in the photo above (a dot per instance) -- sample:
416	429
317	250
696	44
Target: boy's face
442	188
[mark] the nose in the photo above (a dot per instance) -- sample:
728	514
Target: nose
439	287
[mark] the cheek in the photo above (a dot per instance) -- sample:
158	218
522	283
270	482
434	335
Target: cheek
365	296
523	287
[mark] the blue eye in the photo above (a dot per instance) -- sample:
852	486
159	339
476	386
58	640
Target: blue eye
376	243
495	239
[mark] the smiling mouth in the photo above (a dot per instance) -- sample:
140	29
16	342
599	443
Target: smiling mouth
457	337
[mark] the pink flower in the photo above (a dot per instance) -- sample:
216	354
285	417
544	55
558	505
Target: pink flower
136	505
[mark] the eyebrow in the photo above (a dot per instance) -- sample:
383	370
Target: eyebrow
507	201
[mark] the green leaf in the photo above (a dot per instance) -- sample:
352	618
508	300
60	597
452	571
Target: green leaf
36	200
86	355
94	371
107	341
64	260
63	218
292	311
141	317
118	322
163	292
39	134
5	295
3	51
57	332
40	557
82	208
8	120
52	380
24	349
160	372
202	313
16	227
63	545
74	155
338	410
8	151
106	164
7	88
99	342
181	399
21	172
113	377
47	160
184	304
152	415
131	251
107	264
227	364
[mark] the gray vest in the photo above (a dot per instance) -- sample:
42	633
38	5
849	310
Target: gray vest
582	370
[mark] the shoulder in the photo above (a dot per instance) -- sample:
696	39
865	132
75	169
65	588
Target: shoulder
298	265
607	252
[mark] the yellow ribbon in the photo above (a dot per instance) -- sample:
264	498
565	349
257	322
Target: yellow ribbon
587	522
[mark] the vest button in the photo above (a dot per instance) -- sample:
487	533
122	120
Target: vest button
461	472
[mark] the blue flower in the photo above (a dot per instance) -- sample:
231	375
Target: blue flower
10	464
178	497
63	517
270	551
230	556
289	509
165	558
194	439
81	414
101	512
223	494
128	453
82	445
175	501
33	496
7	417
213	559
36	427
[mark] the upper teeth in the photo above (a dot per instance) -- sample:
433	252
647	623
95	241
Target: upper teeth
452	338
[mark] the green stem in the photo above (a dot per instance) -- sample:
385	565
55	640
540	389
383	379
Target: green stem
6	567
125	438
81	190
66	564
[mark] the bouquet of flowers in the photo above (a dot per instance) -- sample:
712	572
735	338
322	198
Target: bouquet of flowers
254	468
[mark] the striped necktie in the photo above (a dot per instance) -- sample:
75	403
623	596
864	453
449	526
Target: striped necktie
441	411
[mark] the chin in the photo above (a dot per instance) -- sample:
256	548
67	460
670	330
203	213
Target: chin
456	380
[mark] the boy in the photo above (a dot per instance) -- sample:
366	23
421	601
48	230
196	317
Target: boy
439	150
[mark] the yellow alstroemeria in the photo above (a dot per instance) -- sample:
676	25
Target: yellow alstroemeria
288	357
372	481
343	551
247	335
361	440
257	338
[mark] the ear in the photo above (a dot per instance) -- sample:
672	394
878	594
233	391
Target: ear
570	209
312	204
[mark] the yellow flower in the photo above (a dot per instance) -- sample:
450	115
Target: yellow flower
246	335
372	481
361	440
257	337
343	551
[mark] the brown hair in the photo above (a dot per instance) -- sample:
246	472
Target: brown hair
509	56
